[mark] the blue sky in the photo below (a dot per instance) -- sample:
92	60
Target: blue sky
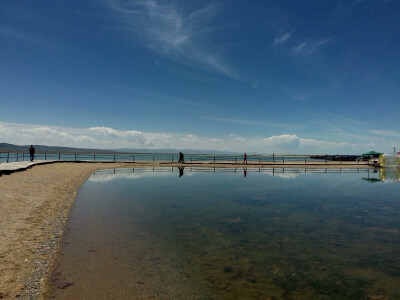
243	76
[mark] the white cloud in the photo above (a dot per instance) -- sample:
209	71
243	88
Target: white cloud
284	139
188	38
110	138
105	176
282	39
309	46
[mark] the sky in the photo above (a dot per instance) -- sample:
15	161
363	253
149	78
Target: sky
289	77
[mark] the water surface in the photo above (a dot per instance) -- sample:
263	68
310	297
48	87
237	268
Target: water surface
233	234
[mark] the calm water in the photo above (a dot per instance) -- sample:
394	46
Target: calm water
297	234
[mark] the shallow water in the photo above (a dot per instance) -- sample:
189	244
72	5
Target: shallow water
232	234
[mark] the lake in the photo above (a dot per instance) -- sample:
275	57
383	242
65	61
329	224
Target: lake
202	233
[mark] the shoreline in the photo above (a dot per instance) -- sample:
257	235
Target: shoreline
35	206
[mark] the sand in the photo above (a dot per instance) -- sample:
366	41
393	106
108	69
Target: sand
34	207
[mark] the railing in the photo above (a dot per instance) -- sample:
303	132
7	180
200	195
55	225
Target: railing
6	157
273	171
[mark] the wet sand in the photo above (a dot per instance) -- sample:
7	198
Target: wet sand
34	207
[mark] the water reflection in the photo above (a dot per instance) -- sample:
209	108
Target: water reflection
371	175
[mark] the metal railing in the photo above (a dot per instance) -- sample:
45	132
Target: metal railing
6	157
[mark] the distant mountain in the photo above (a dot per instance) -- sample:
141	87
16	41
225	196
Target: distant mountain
185	151
4	147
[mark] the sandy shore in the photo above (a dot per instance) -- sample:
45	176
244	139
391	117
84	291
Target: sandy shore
34	206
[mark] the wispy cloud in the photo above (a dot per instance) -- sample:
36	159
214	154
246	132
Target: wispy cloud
310	46
189	38
389	133
282	39
242	121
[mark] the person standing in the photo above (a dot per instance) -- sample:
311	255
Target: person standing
32	152
181	158
245	158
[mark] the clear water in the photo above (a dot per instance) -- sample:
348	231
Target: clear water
233	234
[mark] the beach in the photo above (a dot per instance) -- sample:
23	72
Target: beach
34	208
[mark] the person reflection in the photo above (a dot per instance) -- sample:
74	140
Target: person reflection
245	173
181	171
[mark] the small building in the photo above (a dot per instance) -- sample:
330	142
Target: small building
369	155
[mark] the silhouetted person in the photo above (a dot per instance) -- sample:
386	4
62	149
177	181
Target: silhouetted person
32	152
181	171
181	158
245	159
